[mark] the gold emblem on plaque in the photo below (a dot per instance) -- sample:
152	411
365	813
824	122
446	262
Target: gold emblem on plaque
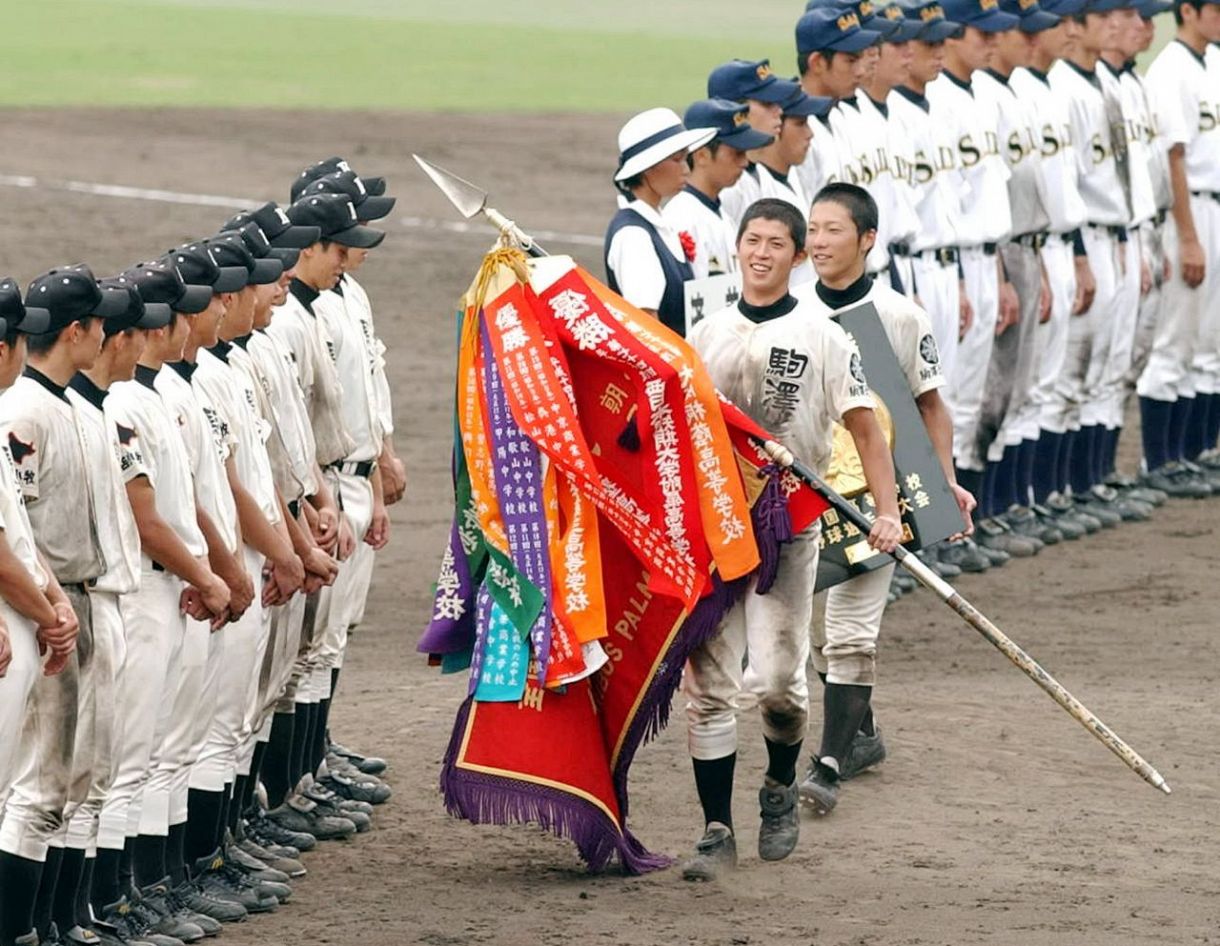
846	472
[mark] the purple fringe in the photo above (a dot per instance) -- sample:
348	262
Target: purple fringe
772	527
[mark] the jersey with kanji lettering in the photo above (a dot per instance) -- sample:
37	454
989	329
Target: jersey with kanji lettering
41	429
14	520
1185	91
794	372
356	365
358	303
906	326
291	448
116	526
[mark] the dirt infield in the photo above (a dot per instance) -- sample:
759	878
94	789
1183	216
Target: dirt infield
996	820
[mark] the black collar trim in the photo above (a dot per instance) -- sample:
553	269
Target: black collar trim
841	298
84	386
1199	58
1089	76
914	97
304	294
36	375
221	350
765	313
711	203
242	342
960	83
147	376
184	368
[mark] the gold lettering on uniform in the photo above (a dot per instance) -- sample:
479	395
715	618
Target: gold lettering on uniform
531	698
1207	116
944	158
1098	150
923	170
970	154
992	141
1016	149
1050	144
612	398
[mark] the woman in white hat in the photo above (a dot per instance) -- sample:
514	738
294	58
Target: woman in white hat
646	260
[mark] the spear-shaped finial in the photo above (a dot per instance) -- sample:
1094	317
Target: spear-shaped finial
471	201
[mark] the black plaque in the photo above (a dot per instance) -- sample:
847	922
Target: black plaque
929	511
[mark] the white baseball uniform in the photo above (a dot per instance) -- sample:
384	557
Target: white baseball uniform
703	217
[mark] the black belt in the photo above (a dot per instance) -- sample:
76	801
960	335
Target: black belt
1119	233
1035	241
945	255
900	249
362	468
989	249
158	567
1214	195
294	508
1158	219
80	587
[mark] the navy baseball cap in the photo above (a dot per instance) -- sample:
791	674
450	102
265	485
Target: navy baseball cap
833	28
871	18
276	227
1105	6
198	266
1064	8
72	293
159	281
740	79
1150	8
374	185
802	104
335	217
368	207
16	315
1033	18
229	249
729	119
934	27
908	27
139	314
984	15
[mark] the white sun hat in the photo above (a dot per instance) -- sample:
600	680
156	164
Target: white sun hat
652	136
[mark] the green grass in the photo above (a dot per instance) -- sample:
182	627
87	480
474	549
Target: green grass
443	55
468	55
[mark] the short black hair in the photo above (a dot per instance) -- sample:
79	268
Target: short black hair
1178	4
713	146
10	336
855	200
772	208
802	58
41	344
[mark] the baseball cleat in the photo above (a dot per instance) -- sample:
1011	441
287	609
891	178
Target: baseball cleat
362	788
279	840
780	826
995	534
300	814
252	867
192	896
866	752
966	555
1068	526
715	853
1169	479
164	916
1024	521
289	866
369	765
219	879
820	788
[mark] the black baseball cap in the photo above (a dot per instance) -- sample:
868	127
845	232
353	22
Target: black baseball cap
335	216
260	247
16	315
280	232
349	183
198	266
229	249
71	293
374	185
139	314
160	281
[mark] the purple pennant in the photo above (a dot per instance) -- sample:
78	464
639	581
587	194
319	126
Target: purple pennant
518	476
451	630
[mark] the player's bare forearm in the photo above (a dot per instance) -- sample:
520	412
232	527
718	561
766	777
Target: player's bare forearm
875	457
159	540
18	589
1183	216
257	531
936	420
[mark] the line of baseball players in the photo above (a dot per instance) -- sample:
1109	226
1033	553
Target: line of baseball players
1054	214
196	456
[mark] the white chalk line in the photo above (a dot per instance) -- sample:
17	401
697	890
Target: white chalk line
242	203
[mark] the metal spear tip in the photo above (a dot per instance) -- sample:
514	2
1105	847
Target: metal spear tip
468	199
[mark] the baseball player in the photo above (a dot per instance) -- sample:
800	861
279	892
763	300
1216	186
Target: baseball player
1176	388
714	167
55	469
796	374
646	262
842	227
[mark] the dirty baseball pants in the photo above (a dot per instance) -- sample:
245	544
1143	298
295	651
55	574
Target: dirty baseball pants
844	631
1152	250
773	629
968	380
96	729
205	685
1051	337
51	782
15	688
1124	317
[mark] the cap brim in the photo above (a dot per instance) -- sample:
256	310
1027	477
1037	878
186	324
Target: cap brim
266	270
114	304
886	28
939	31
650	157
374	185
359	236
286	256
156	315
996	21
194	300
374	208
1149	10
231	279
814	105
773	92
907	31
855	43
1038	21
746	139
36	321
296	238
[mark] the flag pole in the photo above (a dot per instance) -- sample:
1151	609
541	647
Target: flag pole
976	619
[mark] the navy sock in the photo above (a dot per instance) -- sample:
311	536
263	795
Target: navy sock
1097	455
1112	438
1063	475
48	883
1045	470
71	875
1212	434
19	881
987	499
1154	431
1196	430
1179	420
1027	456
1081	462
714	783
1007	489
106	888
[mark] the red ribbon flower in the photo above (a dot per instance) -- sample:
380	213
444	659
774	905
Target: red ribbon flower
688	245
